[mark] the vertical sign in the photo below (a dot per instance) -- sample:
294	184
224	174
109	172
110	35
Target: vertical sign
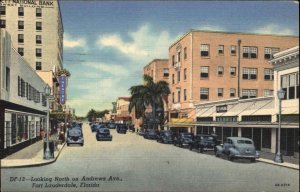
62	85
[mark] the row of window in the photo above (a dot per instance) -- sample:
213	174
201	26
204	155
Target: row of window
256	118
38	39
38	51
38	11
26	90
38	25
290	84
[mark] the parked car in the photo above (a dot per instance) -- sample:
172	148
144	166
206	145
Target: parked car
111	125
237	147
183	139
75	136
203	142
150	134
103	135
165	137
121	128
94	127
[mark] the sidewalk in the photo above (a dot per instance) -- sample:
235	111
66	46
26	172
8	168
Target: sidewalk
289	161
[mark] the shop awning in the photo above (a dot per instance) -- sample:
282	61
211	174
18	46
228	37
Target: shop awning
122	118
180	122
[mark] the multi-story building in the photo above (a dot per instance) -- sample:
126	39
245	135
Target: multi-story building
206	66
36	30
122	115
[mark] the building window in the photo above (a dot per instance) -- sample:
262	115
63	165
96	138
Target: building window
22	88
21	51
220	92
184	94
269	52
249	73
185	53
38	65
221	49
166	72
7	79
232	92
232	71
20	24
38	52
173	100
184	74
269	74
2	10
173	78
178	56
220	70
204	50
21	38
27	91
2	23
178	95
233	50
204	93
38	39
173	60
19	86
178	76
204	72
39	26
290	84
38	12
250	52
21	11
268	92
44	102
249	93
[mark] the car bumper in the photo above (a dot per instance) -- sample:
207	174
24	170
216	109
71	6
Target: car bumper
247	156
75	142
104	138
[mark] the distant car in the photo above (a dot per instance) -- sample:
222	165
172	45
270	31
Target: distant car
183	139
203	142
237	147
75	136
111	126
103	135
94	127
165	137
150	134
121	128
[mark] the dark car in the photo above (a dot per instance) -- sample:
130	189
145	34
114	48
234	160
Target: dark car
103	135
111	125
75	136
165	137
121	128
150	134
203	142
183	139
94	127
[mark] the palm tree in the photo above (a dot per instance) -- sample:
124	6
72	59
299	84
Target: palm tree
150	93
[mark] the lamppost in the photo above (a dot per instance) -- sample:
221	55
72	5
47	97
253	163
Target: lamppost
47	154
278	156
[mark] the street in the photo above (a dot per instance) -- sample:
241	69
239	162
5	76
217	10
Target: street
132	163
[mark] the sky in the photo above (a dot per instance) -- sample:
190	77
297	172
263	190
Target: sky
107	43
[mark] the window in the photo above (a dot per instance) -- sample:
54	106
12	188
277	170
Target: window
249	73
22	88
178	76
204	72
38	12
233	50
221	49
178	96
269	52
232	92
20	24
38	65
173	98
166	72
250	52
249	93
268	92
21	51
38	52
173	60
2	23
204	93
232	71
290	84
173	78
21	38
19	86
220	70
38	25
21	11
44	101
220	92
204	50
185	53
7	79
2	10
178	56
38	39
184	94
269	74
184	74
27	91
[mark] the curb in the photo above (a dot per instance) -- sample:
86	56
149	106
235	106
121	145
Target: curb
37	164
280	165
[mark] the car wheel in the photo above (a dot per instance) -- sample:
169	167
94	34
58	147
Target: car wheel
68	144
180	144
191	148
201	150
230	157
81	144
216	154
252	160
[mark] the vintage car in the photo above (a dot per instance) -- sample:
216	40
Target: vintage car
203	142
150	134
121	128
237	147
165	137
183	139
103	135
75	136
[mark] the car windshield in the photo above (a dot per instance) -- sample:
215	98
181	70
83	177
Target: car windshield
207	137
75	133
104	131
168	134
244	142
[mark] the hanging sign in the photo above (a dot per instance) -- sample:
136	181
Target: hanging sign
62	86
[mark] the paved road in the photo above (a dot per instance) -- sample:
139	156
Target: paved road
131	163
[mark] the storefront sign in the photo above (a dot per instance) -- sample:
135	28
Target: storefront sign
62	86
221	108
28	3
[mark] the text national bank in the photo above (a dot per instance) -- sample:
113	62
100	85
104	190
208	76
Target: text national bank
29	2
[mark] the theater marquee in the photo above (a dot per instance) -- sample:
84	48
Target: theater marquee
28	3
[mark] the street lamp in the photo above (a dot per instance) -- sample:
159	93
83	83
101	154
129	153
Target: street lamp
278	156
47	154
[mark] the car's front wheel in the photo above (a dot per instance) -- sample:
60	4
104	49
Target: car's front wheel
201	150
230	157
217	154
